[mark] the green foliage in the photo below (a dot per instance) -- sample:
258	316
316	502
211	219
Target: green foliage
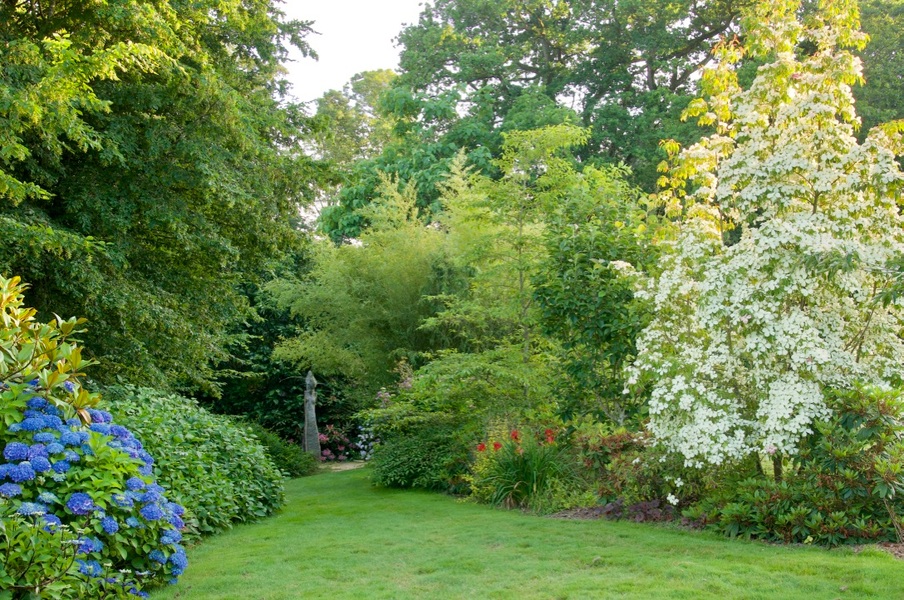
349	124
288	456
361	305
419	448
596	236
845	487
423	459
639	472
473	70
216	469
35	558
880	101
139	142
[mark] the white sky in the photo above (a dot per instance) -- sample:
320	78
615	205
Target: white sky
355	36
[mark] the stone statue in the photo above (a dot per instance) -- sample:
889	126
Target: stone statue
311	435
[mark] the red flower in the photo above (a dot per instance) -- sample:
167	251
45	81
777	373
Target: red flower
515	435
497	446
481	447
550	436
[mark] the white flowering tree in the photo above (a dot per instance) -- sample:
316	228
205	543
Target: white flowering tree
769	291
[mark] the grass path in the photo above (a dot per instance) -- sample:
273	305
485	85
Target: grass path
339	537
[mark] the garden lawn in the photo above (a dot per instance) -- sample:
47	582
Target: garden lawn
339	537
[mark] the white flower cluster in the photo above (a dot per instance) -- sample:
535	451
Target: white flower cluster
747	335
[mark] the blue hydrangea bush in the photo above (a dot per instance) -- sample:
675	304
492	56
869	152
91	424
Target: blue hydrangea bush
81	515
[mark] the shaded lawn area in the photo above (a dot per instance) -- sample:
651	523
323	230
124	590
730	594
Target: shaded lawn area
339	537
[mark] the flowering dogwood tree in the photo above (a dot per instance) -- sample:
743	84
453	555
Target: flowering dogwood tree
769	291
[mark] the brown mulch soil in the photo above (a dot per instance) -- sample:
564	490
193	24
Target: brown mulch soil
585	513
896	550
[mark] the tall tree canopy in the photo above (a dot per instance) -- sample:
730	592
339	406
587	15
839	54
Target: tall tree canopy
473	69
146	165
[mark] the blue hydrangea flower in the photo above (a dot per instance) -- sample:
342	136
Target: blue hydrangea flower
176	521
31	509
146	470
14	428
81	504
122	501
101	428
34	382
135	483
178	561
22	472
133	522
44	437
69	386
151	496
36	403
157	556
170	536
40	464
55	448
34	424
120	432
51	522
151	512
91	568
36	451
48	498
10	490
5	470
174	508
89	545
100	416
72	456
71	438
109	525
15	451
61	466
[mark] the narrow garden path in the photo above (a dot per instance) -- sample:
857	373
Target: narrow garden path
339	537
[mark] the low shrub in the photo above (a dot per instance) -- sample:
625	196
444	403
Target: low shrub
630	470
288	456
429	453
80	513
210	464
845	486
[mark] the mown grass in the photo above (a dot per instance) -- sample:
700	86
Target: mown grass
339	537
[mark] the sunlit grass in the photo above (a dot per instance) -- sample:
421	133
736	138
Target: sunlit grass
339	537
